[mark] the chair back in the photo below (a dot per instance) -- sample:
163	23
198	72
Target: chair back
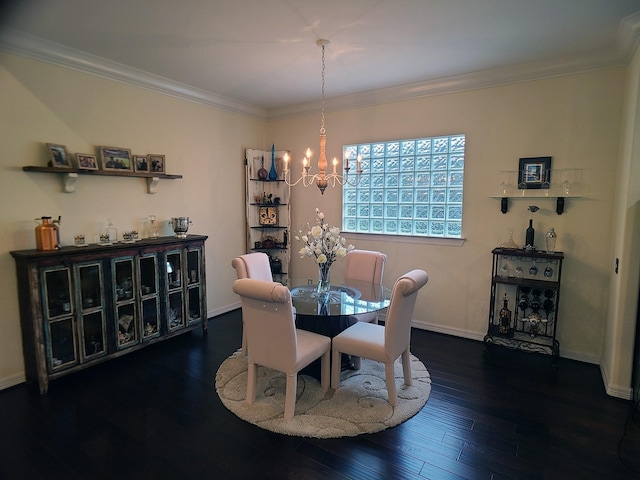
253	265
365	265
269	323
397	331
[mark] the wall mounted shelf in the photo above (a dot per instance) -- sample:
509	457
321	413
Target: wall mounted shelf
504	201
561	184
70	176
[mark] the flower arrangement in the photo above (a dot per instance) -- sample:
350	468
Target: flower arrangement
324	244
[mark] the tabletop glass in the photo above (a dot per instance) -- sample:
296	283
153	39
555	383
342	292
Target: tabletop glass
347	297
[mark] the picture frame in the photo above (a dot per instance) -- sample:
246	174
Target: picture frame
86	161
59	156
157	163
534	173
268	216
141	163
116	159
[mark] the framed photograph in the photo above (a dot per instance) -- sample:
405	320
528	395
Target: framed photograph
140	163
86	161
534	172
114	158
157	163
59	156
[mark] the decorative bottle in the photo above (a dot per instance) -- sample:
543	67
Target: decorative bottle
509	243
273	174
505	316
112	232
550	238
529	236
262	173
153	228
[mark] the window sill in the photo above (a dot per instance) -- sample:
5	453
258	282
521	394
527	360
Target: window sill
388	238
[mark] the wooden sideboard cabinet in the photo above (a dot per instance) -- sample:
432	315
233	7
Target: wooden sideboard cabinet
83	305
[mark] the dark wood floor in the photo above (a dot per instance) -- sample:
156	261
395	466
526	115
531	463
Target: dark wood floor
155	414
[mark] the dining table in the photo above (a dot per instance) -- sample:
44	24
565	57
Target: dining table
331	313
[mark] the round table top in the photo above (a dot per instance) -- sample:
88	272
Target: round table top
347	297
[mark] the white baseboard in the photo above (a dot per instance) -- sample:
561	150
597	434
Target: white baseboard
618	391
222	310
12	380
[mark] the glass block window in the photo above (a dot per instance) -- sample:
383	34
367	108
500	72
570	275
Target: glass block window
408	187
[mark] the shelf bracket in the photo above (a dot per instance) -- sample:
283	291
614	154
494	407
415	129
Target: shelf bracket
560	205
504	204
69	182
152	184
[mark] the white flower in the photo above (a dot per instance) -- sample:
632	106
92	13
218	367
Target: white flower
323	242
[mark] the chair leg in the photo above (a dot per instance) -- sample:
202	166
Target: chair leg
406	367
336	364
325	366
252	370
391	384
357	362
245	350
290	396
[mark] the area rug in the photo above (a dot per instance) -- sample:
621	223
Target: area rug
359	406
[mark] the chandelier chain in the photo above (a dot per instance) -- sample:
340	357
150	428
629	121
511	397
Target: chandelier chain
322	130
324	178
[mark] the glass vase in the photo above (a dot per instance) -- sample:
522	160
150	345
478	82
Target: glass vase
324	281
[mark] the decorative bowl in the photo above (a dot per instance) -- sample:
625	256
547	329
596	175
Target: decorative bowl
180	225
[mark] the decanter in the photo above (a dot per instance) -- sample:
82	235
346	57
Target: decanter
153	228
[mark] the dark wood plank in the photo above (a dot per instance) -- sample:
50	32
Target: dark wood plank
155	414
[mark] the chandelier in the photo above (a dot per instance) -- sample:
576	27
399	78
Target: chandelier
322	179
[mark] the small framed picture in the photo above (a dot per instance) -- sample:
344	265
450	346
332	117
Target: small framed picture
534	172
59	156
114	158
140	163
157	163
86	161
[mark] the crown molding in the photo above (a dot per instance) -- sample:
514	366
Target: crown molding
524	72
34	47
40	49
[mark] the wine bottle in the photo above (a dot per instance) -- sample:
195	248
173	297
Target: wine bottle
505	316
529	236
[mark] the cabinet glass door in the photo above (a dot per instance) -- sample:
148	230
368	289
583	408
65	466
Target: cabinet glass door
91	309
58	318
149	309
174	283
193	298
127	324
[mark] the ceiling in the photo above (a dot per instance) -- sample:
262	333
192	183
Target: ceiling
263	52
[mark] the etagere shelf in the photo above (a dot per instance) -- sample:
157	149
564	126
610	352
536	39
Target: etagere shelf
524	301
268	218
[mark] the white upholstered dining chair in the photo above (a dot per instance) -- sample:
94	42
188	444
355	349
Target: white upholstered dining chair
252	265
275	342
365	265
383	343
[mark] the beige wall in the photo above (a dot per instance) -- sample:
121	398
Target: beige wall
44	103
621	323
575	119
